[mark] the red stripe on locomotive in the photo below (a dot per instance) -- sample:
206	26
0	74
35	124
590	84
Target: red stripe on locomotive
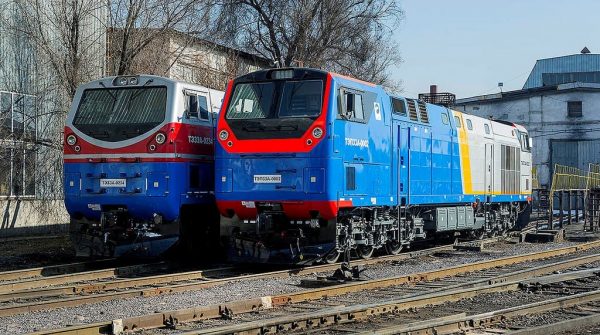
181	138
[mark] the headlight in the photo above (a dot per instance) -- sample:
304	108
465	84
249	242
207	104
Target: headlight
160	138
223	135
71	139
317	132
133	81
122	81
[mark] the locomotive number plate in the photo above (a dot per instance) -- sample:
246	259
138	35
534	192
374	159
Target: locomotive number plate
267	179
113	182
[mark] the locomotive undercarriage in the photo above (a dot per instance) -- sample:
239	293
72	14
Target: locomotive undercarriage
117	234
364	230
367	229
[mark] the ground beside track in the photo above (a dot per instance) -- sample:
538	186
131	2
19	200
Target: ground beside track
243	290
21	253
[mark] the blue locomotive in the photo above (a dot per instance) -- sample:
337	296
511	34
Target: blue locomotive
139	164
313	163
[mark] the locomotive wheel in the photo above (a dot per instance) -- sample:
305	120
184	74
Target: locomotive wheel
364	252
332	257
478	234
393	247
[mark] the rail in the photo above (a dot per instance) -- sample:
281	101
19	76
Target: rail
433	294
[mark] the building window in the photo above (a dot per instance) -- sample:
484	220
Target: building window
18	134
574	109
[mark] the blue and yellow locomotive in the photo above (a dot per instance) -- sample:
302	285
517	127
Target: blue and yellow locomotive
313	163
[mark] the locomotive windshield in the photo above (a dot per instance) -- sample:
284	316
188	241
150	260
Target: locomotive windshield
117	114
275	109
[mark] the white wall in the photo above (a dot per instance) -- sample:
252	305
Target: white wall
20	217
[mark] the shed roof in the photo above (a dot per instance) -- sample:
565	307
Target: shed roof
563	64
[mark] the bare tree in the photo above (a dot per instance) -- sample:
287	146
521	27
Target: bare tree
49	48
68	35
349	36
136	25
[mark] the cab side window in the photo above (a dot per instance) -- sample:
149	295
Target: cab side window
352	105
524	139
196	106
202	108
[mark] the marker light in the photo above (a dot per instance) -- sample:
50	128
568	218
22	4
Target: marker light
160	138
317	132
126	80
71	139
77	148
282	74
223	135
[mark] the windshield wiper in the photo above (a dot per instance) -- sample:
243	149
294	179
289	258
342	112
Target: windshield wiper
109	92
136	94
131	132
289	127
254	128
103	134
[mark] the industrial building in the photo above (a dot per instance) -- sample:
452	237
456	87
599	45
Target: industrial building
559	105
33	105
186	57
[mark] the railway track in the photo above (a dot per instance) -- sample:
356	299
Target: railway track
53	270
97	286
334	305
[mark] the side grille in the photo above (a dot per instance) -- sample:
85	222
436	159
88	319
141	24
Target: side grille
423	112
350	178
412	110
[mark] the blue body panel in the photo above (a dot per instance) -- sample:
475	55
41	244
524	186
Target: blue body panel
396	161
151	187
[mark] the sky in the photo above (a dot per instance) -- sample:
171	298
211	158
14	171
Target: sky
467	47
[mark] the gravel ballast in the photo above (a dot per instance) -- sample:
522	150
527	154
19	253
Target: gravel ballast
231	291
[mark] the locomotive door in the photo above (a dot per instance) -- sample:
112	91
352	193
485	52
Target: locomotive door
489	159
403	164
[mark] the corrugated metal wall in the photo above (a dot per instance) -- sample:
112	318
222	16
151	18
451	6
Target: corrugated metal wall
571	63
575	153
